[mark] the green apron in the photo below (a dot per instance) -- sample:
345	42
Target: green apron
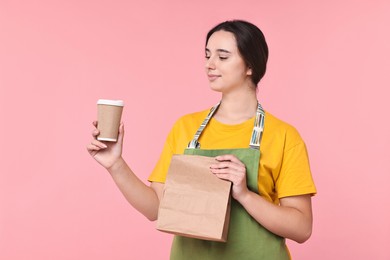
247	239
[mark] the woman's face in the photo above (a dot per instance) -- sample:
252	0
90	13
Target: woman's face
225	68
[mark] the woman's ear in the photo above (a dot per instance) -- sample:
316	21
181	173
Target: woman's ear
249	71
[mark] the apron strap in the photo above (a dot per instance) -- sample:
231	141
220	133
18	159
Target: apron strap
194	144
257	132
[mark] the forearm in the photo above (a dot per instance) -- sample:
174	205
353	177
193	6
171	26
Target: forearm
285	221
142	197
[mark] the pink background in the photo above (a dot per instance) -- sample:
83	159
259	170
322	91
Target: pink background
328	75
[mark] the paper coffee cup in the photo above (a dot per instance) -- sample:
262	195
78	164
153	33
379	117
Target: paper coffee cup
109	118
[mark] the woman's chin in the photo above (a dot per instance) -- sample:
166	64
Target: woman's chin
216	88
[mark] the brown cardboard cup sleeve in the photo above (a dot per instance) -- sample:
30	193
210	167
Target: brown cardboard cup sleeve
195	203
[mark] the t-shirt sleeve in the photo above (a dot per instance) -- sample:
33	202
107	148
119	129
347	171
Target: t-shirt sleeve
295	177
160	171
176	142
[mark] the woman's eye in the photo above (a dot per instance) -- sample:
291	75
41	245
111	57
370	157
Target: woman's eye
207	57
223	58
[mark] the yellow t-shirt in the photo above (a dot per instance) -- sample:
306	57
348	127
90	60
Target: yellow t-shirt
283	168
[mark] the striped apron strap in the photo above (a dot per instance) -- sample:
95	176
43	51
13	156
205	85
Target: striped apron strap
257	131
258	128
194	144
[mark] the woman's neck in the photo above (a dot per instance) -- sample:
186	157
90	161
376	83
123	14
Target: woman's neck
237	107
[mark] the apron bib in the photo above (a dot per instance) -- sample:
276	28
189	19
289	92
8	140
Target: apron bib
247	239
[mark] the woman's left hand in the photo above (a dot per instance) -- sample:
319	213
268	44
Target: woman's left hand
229	167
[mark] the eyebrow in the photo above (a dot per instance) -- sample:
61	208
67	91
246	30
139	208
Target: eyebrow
220	50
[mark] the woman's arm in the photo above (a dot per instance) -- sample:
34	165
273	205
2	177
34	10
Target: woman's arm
291	219
145	199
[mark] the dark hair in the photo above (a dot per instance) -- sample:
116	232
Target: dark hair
250	43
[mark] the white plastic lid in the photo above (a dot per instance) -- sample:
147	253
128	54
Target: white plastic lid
109	102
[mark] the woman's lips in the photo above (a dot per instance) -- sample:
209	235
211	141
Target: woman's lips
213	77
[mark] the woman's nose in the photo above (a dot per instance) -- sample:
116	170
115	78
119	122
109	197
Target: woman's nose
210	64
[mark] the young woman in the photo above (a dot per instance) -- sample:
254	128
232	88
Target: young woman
264	157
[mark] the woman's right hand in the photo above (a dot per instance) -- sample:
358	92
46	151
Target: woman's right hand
106	153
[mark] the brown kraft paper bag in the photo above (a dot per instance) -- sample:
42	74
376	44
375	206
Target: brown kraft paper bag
195	203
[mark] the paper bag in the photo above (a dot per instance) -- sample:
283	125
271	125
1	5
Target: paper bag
195	203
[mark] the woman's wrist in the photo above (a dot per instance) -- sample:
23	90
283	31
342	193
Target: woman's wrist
117	166
244	198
